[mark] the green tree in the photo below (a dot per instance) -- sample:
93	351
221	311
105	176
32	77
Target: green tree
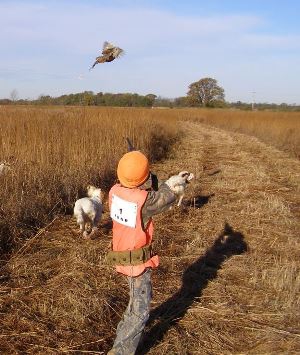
150	99
88	98
44	100
205	92
181	101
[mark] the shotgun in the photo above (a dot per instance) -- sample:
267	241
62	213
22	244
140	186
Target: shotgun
130	146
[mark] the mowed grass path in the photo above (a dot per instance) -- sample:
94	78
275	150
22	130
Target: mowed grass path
229	276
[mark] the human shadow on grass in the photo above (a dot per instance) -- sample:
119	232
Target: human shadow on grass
194	280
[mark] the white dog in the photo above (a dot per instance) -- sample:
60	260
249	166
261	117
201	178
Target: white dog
178	183
5	167
88	211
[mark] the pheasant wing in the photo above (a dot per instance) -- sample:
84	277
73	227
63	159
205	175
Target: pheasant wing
107	48
107	45
118	52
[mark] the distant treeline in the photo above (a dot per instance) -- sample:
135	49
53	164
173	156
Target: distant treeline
89	98
264	106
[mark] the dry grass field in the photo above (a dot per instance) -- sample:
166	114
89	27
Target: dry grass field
229	276
280	129
57	152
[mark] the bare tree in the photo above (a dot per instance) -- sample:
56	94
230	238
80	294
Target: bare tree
14	95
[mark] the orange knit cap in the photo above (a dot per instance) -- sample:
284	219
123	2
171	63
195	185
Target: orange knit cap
133	169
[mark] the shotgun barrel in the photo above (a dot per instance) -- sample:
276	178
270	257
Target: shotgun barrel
131	148
153	177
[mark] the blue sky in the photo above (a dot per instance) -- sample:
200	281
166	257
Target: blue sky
47	47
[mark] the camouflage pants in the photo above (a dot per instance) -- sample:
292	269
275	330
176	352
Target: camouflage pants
130	328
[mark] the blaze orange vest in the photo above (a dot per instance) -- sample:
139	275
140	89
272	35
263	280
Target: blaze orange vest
128	237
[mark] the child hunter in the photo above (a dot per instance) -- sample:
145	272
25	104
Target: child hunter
132	206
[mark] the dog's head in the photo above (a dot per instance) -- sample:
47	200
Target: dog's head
93	191
5	167
5	163
186	176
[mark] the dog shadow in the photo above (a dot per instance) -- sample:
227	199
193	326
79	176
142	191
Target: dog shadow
194	280
197	201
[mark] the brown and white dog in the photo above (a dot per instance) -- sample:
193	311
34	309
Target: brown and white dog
178	183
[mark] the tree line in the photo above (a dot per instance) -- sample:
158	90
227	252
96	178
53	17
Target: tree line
203	93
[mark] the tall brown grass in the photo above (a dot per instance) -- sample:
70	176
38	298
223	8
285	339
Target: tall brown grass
57	152
57	296
280	129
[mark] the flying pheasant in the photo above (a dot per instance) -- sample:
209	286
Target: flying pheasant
109	53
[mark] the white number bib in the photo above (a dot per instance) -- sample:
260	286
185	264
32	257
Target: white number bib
123	212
